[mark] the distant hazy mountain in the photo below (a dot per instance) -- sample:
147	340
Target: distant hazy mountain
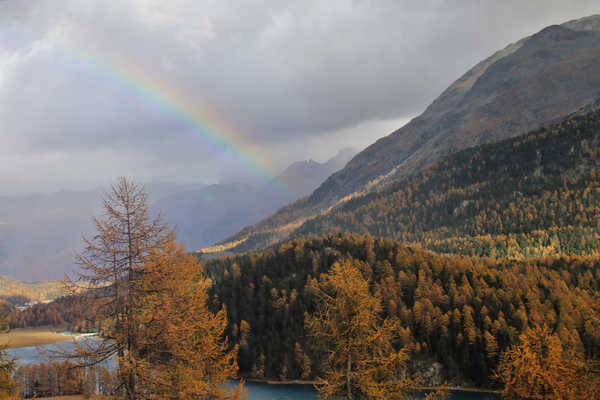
23	292
212	213
39	234
42	231
534	82
307	175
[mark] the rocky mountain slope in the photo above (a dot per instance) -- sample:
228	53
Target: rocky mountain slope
530	196
532	83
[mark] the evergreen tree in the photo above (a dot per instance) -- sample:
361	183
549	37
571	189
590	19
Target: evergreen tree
182	350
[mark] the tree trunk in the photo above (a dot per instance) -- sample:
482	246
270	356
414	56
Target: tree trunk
348	385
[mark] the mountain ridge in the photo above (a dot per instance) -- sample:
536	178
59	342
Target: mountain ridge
529	196
531	83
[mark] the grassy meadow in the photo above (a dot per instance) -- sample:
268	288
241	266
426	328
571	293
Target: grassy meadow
32	337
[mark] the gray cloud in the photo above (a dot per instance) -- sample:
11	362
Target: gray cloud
299	78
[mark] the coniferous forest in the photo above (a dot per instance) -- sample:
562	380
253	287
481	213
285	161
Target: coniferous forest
533	195
461	311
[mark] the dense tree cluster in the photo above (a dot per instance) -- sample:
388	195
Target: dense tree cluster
8	386
462	311
63	379
19	293
356	343
504	243
533	195
69	311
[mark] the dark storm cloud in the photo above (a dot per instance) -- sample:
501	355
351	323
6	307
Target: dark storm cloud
320	73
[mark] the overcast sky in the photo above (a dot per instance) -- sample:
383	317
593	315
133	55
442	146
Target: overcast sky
95	89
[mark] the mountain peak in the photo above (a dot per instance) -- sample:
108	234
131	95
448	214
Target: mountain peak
344	154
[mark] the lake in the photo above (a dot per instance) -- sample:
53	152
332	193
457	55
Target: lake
262	391
256	391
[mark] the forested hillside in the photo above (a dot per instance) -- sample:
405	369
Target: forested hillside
537	194
71	311
463	312
22	292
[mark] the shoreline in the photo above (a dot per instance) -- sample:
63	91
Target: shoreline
31	337
462	389
275	382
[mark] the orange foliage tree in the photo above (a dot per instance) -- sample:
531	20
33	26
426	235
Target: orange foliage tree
359	358
542	367
150	300
181	345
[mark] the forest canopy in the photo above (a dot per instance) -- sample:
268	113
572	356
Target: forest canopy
463	312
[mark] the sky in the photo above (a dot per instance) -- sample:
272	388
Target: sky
212	91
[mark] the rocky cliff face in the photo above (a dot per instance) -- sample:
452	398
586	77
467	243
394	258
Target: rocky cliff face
531	83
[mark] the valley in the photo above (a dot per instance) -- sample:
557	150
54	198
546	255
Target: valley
458	257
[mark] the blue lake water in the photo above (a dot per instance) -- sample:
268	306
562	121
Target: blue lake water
261	391
39	354
35	354
256	391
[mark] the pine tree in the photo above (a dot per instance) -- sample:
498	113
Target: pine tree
112	264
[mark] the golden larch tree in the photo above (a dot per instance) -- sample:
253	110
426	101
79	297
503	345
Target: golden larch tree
360	360
112	262
150	300
541	367
181	342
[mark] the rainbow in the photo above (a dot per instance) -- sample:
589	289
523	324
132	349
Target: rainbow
205	122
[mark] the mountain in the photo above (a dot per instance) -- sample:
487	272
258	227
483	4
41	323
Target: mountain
211	213
7	238
529	84
40	233
306	176
534	195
